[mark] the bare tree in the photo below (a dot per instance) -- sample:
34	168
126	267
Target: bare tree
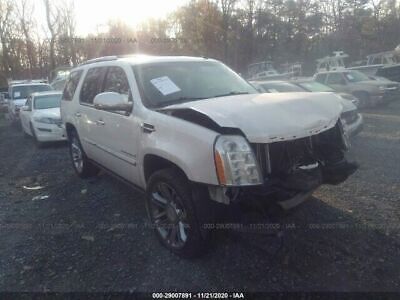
6	26
52	20
227	7
68	31
25	17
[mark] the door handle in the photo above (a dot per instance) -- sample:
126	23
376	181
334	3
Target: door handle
78	115
147	128
100	122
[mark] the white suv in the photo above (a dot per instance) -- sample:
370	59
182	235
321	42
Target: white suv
192	133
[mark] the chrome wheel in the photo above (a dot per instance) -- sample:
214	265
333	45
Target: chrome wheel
77	156
168	215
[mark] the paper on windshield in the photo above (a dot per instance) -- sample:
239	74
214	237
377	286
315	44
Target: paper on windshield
17	94
165	85
350	77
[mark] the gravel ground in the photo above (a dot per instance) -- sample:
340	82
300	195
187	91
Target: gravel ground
92	235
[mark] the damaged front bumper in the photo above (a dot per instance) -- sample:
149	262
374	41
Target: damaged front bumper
292	170
289	192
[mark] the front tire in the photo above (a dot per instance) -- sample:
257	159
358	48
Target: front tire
80	162
172	212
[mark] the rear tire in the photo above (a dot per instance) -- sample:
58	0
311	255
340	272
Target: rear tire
80	162
172	211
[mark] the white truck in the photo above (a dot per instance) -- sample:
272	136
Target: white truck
18	93
192	133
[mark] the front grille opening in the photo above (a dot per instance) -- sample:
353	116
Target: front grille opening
284	158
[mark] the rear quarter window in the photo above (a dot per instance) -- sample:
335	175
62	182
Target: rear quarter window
71	85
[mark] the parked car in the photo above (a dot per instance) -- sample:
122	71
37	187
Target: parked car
3	102
313	86
352	120
40	117
193	135
18	93
369	92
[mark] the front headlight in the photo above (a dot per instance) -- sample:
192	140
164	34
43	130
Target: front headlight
45	120
235	162
382	88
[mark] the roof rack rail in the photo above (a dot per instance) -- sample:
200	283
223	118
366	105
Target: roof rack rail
99	59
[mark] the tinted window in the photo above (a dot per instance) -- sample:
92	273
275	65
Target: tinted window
23	91
49	101
70	86
92	84
335	78
116	81
320	78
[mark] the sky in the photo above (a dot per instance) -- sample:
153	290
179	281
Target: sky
91	15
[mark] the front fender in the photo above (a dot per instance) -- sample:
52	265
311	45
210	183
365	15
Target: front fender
187	145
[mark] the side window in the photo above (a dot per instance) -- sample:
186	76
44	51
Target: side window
335	78
70	86
116	81
92	84
376	61
321	78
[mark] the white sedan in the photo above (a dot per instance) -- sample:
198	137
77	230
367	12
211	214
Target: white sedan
40	117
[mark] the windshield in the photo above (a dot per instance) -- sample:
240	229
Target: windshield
313	86
23	91
355	76
280	87
166	83
49	101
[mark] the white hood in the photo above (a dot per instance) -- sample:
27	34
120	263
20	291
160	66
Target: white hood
272	117
53	113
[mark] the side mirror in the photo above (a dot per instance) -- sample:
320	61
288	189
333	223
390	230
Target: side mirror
25	108
111	101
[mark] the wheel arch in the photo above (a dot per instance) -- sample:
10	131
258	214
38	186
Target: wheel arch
153	163
69	128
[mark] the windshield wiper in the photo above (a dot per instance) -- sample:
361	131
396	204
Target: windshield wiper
230	94
180	100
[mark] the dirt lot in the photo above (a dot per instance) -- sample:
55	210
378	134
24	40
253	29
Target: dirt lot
93	235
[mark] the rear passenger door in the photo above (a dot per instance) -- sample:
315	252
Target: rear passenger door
86	116
119	131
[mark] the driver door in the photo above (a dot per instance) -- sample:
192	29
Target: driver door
120	131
